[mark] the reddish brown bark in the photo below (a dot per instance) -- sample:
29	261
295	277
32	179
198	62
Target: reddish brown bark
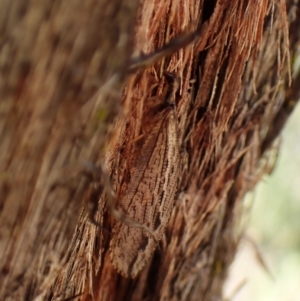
62	69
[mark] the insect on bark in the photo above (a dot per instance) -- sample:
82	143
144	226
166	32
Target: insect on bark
150	195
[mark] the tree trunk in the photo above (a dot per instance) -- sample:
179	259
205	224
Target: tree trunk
176	152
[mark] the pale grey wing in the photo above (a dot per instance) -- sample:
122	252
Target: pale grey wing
150	204
130	246
149	145
169	183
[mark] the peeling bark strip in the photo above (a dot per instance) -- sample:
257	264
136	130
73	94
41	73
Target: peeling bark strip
150	196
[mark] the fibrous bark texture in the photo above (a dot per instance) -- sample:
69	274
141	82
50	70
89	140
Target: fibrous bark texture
179	166
62	66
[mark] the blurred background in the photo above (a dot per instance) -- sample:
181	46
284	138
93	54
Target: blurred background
273	232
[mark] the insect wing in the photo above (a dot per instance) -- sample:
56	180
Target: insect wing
150	197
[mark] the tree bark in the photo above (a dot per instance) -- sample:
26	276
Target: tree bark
64	117
62	70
